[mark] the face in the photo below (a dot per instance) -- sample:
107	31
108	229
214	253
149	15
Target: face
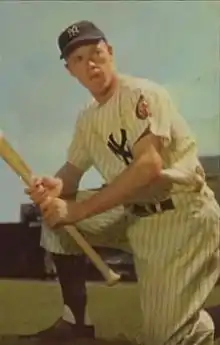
92	65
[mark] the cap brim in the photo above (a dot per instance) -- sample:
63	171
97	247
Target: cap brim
78	42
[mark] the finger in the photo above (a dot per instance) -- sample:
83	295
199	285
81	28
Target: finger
49	182
46	205
39	188
50	220
29	190
48	211
37	194
36	181
39	199
36	190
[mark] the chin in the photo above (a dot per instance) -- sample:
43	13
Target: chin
99	89
101	86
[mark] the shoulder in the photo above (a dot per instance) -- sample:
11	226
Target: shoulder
143	96
136	87
86	112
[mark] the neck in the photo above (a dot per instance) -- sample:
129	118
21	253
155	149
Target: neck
108	92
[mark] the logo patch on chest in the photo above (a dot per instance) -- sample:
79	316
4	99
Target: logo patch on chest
121	150
142	109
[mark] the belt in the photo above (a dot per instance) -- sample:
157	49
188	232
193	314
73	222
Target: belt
152	208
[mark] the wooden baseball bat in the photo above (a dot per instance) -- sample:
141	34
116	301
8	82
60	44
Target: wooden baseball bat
19	166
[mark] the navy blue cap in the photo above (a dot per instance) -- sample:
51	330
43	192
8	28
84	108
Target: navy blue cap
78	34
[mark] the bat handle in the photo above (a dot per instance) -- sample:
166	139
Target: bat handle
108	274
19	166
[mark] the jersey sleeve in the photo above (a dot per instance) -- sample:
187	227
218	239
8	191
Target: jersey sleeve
152	112
77	153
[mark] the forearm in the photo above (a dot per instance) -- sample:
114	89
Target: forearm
158	190
124	187
70	177
72	196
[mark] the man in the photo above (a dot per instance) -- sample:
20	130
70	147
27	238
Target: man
156	194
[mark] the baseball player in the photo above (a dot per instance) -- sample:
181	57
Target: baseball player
132	133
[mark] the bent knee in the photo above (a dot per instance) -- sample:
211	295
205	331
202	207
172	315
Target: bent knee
198	330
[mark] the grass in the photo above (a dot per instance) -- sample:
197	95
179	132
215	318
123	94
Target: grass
29	306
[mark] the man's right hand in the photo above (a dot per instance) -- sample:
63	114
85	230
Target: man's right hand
42	187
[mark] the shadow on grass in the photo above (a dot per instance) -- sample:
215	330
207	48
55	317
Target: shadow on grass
13	340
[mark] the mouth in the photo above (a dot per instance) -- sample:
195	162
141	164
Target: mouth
95	75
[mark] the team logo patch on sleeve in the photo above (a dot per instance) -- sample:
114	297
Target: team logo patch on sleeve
142	109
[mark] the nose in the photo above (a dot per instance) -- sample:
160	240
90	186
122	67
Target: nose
91	63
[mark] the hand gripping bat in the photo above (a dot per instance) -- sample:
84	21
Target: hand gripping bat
19	166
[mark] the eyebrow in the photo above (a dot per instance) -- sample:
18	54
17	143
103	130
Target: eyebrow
92	48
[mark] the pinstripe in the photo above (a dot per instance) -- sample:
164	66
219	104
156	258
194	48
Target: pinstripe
107	229
176	252
173	277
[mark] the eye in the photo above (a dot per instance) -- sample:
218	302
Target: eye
77	58
98	51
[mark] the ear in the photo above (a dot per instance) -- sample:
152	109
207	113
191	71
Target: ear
68	69
110	49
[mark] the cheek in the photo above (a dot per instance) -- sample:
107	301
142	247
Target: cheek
103	64
107	66
76	71
82	76
105	61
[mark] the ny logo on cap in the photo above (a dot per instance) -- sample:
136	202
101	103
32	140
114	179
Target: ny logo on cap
73	31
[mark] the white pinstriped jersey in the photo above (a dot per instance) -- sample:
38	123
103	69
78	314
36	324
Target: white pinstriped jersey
106	133
104	130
